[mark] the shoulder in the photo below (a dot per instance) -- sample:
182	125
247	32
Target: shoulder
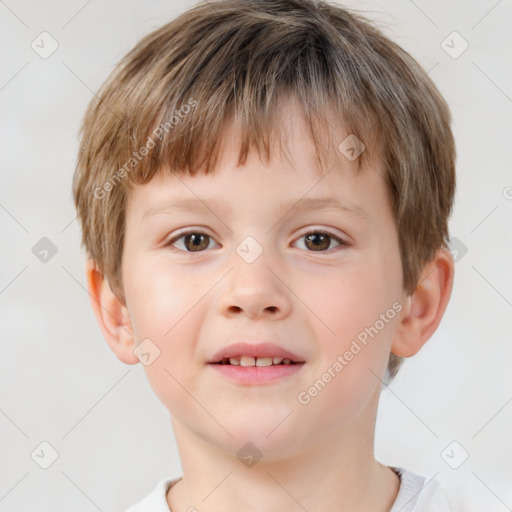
156	501
439	493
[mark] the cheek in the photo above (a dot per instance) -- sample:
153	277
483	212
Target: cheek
354	348
166	309
161	299
349	300
357	309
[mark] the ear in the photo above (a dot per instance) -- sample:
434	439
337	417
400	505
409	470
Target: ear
111	314
425	307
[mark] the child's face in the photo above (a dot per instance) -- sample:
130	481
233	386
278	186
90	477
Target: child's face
314	303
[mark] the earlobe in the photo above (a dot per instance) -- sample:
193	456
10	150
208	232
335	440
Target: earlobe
426	306
112	316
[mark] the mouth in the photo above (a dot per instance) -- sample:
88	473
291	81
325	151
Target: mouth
256	371
261	354
257	361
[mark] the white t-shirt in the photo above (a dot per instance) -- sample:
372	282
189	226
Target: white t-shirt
416	494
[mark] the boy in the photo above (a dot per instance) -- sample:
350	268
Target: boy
264	189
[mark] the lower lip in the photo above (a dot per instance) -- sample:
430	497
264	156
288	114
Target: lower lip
257	374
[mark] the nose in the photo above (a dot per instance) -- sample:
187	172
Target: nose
256	289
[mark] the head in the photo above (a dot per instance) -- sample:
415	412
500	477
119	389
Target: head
251	109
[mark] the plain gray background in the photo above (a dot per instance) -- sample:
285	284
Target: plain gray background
61	384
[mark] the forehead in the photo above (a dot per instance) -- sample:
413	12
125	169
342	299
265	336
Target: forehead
295	129
314	169
321	142
293	180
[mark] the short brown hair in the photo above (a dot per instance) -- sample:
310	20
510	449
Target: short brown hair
239	59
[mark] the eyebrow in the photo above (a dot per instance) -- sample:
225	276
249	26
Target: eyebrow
297	205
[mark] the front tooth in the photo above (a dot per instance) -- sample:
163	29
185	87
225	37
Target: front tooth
264	361
234	361
247	361
277	360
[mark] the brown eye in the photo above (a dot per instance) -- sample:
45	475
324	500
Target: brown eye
317	241
192	241
196	241
320	241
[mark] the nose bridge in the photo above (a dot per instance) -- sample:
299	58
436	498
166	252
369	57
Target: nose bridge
253	286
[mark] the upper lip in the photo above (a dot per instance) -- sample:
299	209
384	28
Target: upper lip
265	349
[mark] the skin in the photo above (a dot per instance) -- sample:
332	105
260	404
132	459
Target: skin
318	456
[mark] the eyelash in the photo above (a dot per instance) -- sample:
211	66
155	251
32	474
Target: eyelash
183	234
